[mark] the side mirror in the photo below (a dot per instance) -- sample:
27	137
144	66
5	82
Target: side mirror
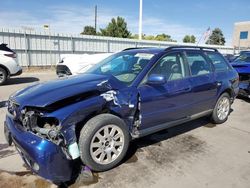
156	79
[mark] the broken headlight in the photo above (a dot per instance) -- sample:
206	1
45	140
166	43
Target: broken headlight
45	127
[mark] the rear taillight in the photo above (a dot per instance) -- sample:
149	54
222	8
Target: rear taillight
13	55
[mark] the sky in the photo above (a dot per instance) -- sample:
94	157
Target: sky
173	17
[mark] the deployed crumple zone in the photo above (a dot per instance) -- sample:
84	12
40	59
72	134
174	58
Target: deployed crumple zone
89	120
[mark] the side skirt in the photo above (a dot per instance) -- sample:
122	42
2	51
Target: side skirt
160	127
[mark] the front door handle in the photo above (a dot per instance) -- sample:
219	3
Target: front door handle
218	84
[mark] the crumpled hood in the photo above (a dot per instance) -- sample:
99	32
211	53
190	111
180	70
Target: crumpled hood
44	94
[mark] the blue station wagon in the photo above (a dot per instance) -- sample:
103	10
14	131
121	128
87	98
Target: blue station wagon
136	92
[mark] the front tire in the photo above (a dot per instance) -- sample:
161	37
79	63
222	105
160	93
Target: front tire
103	142
3	76
222	109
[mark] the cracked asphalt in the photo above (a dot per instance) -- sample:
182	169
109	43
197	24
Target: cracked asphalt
195	154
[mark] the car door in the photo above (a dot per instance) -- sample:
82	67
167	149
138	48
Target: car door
169	101
203	83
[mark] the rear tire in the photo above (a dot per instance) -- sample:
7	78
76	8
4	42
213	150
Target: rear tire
221	109
3	76
103	142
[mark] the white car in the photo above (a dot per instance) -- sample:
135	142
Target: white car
8	64
73	64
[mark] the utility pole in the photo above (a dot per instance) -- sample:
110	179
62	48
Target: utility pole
140	21
96	18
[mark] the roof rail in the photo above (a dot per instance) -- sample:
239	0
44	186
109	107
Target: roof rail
134	48
191	47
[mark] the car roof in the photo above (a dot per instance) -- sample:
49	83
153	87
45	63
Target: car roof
156	50
153	50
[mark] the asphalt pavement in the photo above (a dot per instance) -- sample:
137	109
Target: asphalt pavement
195	154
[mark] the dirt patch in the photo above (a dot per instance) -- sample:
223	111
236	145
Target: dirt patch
23	180
180	147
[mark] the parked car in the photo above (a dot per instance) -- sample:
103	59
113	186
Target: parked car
229	57
131	94
242	66
8	64
73	64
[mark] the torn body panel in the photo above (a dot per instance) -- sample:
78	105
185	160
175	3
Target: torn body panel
244	85
243	69
123	103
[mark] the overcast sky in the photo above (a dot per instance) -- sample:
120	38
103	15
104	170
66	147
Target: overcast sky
176	18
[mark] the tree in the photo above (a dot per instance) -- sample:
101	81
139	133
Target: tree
216	37
159	37
148	37
89	30
164	37
116	28
189	39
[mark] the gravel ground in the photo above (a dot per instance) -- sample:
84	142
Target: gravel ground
195	154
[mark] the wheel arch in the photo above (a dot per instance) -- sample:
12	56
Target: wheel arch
5	68
229	91
81	124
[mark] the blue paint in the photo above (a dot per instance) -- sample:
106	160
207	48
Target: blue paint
160	101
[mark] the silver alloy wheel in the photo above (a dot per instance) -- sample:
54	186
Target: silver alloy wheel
107	144
1	76
223	108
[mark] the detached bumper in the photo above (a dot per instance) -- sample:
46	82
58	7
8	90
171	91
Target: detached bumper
42	156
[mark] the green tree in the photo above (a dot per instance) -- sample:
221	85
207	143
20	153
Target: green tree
163	37
149	37
216	38
116	28
88	30
189	39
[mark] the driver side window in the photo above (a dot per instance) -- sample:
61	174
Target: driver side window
171	66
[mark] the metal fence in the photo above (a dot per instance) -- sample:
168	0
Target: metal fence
44	49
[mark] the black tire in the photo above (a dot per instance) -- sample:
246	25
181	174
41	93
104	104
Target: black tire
87	133
3	76
215	118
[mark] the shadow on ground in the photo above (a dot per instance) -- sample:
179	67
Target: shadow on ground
21	80
3	104
244	99
183	145
156	138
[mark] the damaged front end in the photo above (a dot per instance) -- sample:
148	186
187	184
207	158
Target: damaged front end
46	134
46	147
244	84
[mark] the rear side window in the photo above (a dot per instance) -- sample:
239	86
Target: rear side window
4	47
218	61
198	64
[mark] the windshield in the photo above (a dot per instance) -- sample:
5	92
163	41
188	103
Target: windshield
243	58
125	66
